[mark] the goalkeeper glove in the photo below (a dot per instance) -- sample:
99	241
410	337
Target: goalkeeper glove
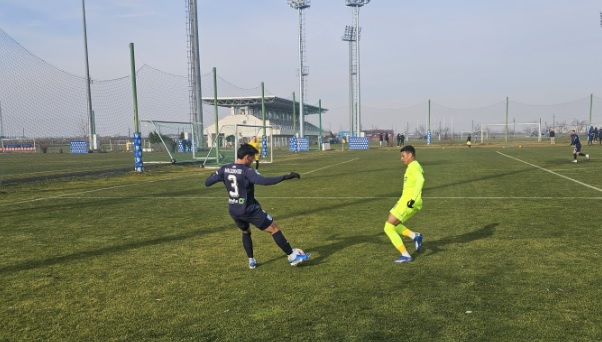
411	203
292	175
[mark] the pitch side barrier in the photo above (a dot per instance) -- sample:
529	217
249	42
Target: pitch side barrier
18	148
358	143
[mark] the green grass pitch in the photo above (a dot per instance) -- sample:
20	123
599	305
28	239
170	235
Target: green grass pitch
511	252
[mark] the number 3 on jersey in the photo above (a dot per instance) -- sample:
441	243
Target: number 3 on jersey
233	185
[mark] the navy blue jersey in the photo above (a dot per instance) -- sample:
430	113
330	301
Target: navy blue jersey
575	141
240	183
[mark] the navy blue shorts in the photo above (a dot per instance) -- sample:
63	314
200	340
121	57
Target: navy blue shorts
255	215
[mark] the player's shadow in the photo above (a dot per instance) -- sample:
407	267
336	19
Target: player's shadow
335	244
60	259
430	247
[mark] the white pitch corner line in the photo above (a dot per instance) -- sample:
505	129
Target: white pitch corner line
326	167
552	172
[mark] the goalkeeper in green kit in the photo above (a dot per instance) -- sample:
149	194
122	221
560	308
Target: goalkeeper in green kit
408	205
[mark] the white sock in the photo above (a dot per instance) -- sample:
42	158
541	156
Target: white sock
412	235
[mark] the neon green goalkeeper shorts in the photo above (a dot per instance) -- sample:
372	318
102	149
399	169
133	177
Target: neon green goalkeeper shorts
401	211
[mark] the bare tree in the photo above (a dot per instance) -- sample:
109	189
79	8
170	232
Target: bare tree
420	131
83	128
561	127
445	133
580	125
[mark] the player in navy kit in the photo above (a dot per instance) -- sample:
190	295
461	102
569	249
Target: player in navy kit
577	143
240	179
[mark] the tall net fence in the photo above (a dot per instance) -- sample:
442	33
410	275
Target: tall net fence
43	106
450	123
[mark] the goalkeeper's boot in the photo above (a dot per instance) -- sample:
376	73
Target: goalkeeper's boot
574	161
402	259
418	241
252	263
295	260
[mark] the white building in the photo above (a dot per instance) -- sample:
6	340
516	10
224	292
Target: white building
248	111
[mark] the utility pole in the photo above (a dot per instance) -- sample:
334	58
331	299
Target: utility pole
91	121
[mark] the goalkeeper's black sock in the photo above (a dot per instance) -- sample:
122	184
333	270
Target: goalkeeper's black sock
257	165
247	243
282	242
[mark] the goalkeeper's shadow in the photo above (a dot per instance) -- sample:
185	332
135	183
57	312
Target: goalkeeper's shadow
430	247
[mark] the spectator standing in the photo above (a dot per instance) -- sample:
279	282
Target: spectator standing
552	136
590	136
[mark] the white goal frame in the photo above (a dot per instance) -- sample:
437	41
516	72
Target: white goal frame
157	125
247	131
513	126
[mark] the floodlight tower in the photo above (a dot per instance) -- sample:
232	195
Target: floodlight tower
300	5
194	72
350	36
358	103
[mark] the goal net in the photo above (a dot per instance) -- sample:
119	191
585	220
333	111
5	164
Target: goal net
223	146
244	134
167	142
523	131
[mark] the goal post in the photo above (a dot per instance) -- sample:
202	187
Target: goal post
244	133
515	131
231	136
168	141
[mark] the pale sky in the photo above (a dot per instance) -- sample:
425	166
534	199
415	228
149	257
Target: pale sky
459	54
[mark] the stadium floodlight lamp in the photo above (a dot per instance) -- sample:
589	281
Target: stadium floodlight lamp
299	4
356	3
349	35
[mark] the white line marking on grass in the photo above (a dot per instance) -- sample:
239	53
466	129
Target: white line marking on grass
552	172
326	167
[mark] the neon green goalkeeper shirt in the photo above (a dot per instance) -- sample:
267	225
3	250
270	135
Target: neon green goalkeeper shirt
413	180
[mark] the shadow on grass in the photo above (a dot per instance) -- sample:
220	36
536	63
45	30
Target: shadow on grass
432	247
29	265
335	245
473	180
